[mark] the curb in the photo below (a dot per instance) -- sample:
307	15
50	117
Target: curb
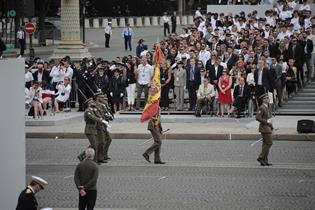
175	136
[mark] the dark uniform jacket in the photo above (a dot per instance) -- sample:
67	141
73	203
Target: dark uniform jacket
27	200
90	121
262	116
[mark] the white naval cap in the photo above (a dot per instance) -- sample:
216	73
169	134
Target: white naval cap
39	181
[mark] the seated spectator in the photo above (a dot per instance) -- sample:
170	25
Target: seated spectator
241	96
63	93
34	99
205	96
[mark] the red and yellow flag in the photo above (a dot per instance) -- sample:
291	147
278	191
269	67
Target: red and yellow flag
152	105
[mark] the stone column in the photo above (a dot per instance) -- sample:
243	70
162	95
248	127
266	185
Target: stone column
71	43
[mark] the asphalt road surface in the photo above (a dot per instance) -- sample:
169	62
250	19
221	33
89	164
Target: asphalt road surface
198	175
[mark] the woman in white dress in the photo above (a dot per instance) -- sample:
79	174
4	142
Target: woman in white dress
34	99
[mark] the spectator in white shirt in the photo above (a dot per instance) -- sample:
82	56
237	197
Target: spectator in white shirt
305	6
28	77
198	13
286	13
295	20
34	99
64	90
108	32
204	55
166	24
250	76
143	75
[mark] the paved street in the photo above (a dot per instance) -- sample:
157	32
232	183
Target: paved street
96	41
198	175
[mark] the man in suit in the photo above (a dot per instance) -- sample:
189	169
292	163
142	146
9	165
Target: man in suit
85	178
263	79
263	116
27	199
205	96
192	82
155	127
41	75
276	70
214	71
296	52
241	96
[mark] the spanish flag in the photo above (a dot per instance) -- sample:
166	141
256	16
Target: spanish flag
152	105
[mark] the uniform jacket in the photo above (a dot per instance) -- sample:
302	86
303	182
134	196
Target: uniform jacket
262	116
27	200
90	121
154	125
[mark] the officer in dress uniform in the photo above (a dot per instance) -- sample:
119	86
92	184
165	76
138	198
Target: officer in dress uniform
263	116
92	119
27	199
102	105
155	127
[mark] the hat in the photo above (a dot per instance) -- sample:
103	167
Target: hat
263	96
39	181
88	100
40	61
100	94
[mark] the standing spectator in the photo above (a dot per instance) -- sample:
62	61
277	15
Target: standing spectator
41	75
166	24
214	71
21	36
85	178
57	73
116	88
3	47
296	52
179	84
127	34
140	48
224	94
63	93
144	74
131	84
198	13
291	78
67	68
166	77
308	49
173	21
28	77
101	79
192	83
277	71
204	55
108	32
263	79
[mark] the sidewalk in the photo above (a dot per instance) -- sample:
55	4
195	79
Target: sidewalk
181	127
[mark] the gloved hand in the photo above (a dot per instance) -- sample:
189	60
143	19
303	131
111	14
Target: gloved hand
111	94
106	123
121	94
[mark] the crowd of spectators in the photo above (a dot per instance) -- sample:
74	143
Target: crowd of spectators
221	62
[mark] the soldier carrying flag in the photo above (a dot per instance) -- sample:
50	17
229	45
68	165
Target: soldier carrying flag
151	111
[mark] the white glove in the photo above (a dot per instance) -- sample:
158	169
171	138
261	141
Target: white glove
269	121
111	94
121	94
